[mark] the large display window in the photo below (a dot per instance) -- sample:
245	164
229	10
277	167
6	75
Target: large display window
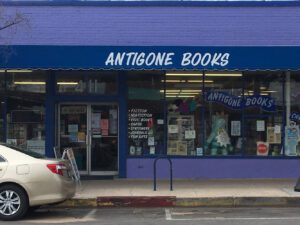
212	113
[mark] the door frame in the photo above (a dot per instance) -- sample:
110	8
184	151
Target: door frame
89	138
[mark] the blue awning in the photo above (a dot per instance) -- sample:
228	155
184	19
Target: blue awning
149	58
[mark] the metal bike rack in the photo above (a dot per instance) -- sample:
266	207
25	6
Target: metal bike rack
171	172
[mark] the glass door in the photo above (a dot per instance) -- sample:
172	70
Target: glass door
73	132
103	139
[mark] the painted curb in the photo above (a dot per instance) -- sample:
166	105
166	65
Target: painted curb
172	201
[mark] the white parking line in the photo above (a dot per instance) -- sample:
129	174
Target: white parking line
169	217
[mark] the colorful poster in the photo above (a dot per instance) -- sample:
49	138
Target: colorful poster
291	140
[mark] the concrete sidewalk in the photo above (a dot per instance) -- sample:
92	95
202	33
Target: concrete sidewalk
227	192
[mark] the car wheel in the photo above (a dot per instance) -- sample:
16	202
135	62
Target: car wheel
13	202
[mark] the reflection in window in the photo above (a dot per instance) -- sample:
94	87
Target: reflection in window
26	110
145	113
93	82
26	81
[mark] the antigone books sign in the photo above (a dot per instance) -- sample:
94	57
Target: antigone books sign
153	57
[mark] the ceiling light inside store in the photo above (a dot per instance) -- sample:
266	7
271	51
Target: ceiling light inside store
30	82
188	81
16	71
223	74
184	74
268	91
180	96
67	83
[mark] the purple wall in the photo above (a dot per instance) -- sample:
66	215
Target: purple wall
150	26
216	168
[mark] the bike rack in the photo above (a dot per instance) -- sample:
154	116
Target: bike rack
171	172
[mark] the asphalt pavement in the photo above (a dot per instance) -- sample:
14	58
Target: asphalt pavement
163	216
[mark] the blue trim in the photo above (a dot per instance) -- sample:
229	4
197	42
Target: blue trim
216	157
123	131
50	115
104	58
72	3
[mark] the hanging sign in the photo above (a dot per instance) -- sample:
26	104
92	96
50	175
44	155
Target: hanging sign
266	103
295	116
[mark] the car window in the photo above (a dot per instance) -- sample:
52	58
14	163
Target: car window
29	153
2	159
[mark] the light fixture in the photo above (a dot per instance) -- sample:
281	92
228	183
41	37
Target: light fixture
209	74
268	91
30	82
184	74
180	96
16	71
200	81
189	81
67	83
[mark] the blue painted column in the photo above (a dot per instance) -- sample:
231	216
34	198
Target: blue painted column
50	114
122	85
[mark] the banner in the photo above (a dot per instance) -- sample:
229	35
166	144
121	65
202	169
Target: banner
266	103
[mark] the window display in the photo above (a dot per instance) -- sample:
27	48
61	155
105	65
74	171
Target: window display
264	125
145	114
183	93
292	136
223	114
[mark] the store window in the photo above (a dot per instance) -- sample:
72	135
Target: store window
26	110
82	82
223	113
292	134
183	94
145	113
264	114
2	105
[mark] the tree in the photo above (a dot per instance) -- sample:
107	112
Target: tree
8	19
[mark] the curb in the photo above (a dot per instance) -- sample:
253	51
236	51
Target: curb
173	201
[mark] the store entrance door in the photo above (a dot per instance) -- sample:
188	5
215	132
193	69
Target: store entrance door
92	131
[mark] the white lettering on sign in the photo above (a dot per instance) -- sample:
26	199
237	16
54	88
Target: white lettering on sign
166	59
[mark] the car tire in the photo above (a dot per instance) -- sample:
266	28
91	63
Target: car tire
13	202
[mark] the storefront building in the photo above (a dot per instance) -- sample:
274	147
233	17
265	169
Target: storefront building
212	85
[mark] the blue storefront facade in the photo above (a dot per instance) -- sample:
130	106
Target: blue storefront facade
211	85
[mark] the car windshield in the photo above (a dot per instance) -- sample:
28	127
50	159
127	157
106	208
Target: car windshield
26	152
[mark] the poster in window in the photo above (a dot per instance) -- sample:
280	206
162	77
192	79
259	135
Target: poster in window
291	140
236	128
172	147
272	136
182	148
260	125
96	126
